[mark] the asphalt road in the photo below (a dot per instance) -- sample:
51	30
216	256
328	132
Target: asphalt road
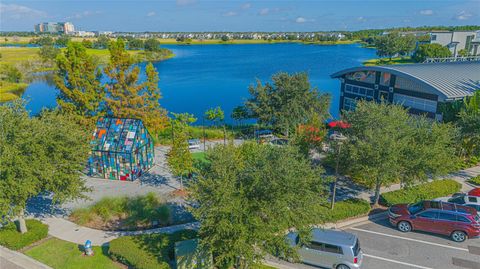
385	247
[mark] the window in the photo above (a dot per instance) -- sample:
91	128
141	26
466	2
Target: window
415	208
356	248
332	249
365	76
428	215
447	216
457	200
472	199
415	102
315	246
360	91
385	79
349	104
463	219
434	37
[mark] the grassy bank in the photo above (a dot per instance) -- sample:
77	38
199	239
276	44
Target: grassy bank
10	91
338	42
388	61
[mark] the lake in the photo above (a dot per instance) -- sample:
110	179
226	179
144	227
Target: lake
200	77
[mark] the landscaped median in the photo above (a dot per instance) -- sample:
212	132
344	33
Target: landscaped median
344	210
475	181
426	191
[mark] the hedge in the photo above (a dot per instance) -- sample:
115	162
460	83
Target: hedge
426	191
148	251
343	210
475	180
12	239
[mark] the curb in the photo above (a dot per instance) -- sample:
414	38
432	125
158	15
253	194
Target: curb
342	224
21	260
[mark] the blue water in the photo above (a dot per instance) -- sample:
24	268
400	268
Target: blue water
200	77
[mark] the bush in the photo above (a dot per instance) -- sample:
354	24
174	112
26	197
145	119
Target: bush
426	191
139	211
148	251
344	210
12	239
475	180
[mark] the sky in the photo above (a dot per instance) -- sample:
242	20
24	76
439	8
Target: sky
237	15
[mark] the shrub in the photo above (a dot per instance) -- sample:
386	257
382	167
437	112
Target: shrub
12	239
343	210
426	191
475	180
147	251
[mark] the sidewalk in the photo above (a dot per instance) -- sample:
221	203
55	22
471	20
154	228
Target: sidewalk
461	177
69	231
10	259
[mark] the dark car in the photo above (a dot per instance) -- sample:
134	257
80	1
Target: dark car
457	221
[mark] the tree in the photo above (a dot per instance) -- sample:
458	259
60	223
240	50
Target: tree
387	145
79	80
469	125
215	115
463	53
102	42
10	73
127	97
87	43
240	113
48	53
39	155
387	45
246	197
425	51
406	44
62	41
180	159
152	44
43	41
225	38
136	44
287	102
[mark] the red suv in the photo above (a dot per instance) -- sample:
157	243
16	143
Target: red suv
458	222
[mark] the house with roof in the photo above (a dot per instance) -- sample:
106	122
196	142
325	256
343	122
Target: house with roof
457	40
420	87
121	149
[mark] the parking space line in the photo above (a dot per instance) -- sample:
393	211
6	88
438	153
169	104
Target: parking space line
397	262
409	239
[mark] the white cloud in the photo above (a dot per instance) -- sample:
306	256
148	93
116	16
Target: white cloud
246	6
185	2
300	20
264	11
361	19
426	12
151	14
14	11
230	14
463	15
83	14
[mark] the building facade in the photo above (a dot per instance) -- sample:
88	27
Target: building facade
419	87
458	40
55	28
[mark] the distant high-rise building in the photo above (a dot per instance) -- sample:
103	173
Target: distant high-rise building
55	27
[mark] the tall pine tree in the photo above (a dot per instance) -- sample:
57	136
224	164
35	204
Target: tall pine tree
127	96
78	79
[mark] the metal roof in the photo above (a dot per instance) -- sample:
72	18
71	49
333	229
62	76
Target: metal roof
452	80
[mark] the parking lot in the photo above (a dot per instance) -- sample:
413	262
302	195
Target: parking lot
385	247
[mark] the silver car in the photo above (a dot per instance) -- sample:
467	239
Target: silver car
329	249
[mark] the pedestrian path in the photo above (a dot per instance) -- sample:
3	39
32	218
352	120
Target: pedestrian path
69	231
10	259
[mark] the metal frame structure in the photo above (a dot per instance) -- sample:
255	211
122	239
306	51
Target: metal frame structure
121	149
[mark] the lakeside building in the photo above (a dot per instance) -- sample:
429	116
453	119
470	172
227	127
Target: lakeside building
55	27
420	87
457	40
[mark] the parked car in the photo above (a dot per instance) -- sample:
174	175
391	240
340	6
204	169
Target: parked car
474	192
279	142
457	221
193	143
329	248
461	199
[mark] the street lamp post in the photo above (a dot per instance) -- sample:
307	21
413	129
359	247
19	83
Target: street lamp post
339	138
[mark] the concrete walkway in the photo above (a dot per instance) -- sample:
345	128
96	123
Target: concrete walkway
10	259
69	231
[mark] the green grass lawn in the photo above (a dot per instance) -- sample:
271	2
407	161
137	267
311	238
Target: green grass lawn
60	254
10	91
387	61
199	156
